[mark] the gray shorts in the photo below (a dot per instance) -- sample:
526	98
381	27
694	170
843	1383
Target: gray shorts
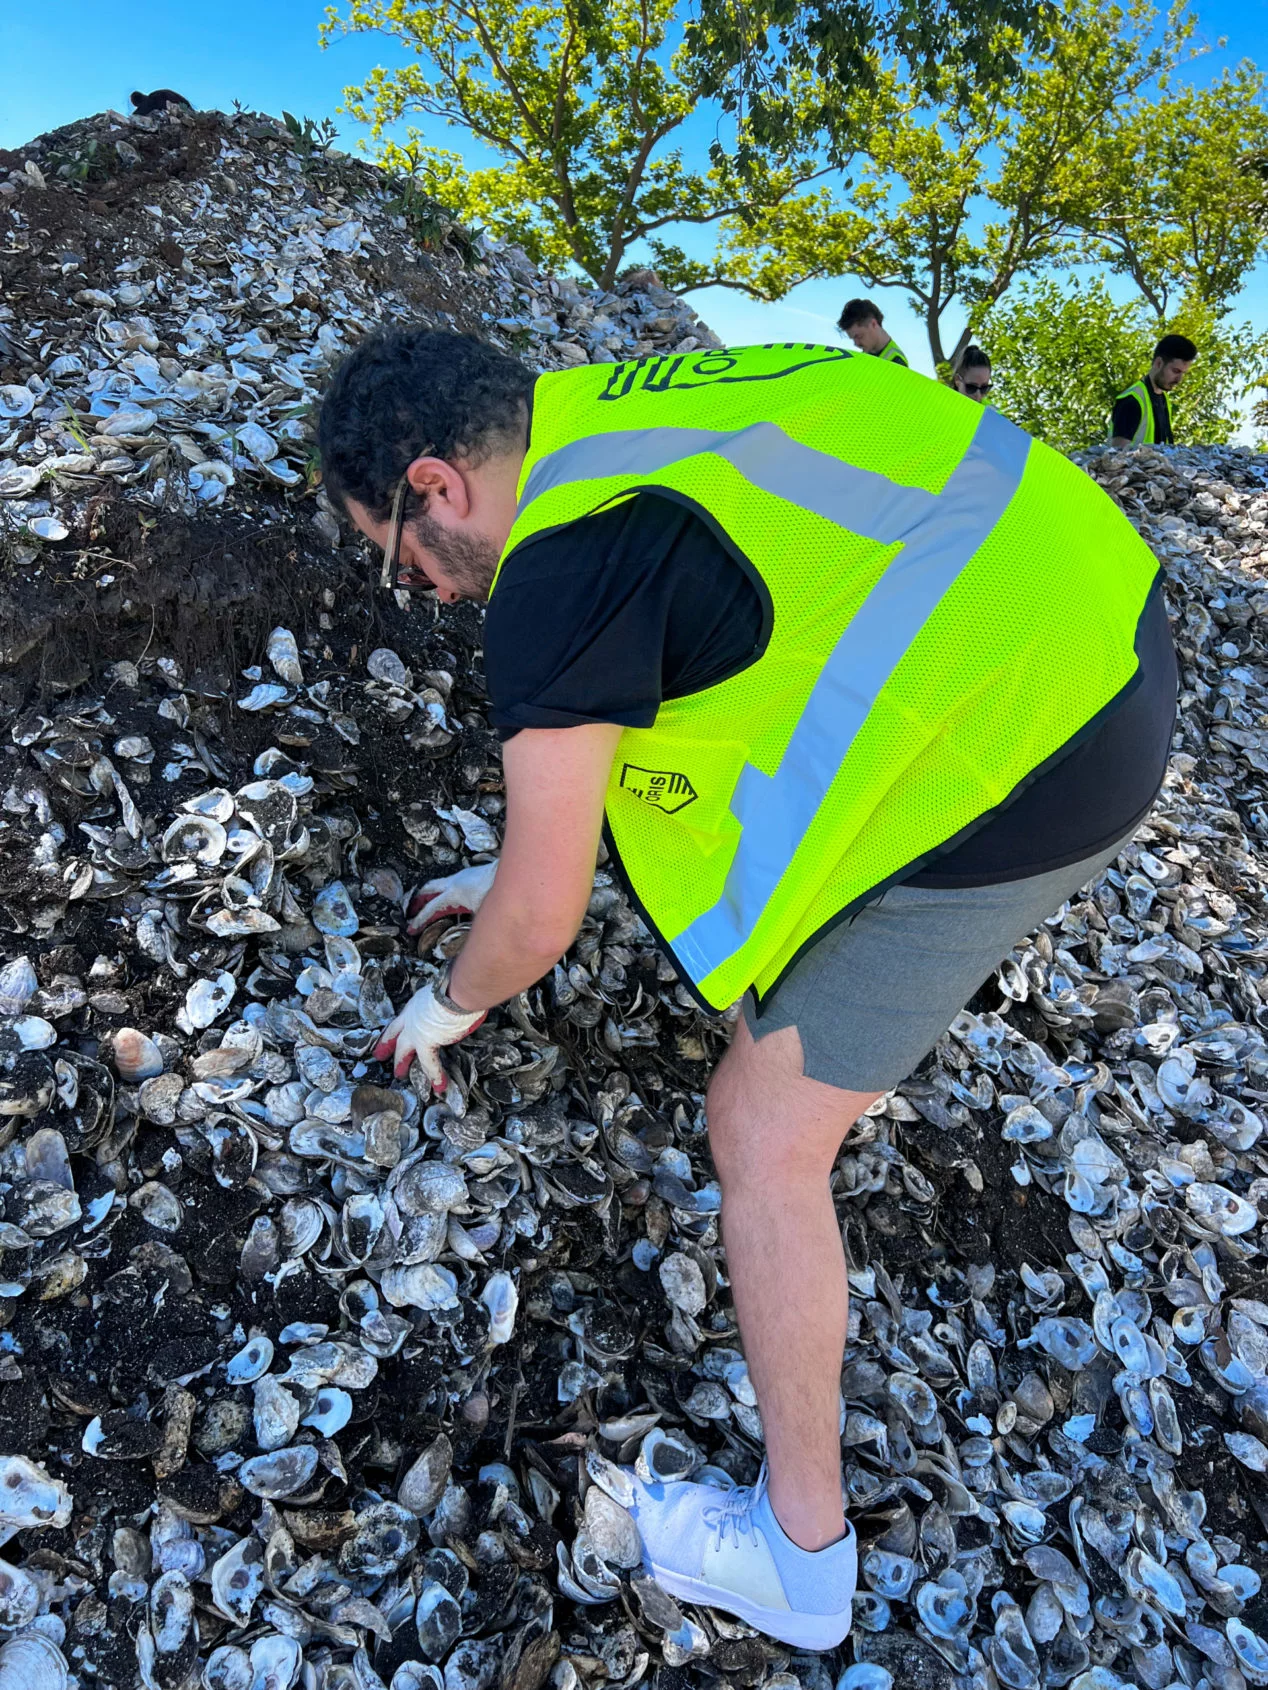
878	992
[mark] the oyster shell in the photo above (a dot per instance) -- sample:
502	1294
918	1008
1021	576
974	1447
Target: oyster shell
281	1473
29	1497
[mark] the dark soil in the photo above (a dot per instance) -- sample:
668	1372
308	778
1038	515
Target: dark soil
98	215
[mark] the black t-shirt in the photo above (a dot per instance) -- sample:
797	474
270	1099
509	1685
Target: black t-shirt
1126	418
604	619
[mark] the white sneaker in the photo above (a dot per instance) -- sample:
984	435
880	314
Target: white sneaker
725	1549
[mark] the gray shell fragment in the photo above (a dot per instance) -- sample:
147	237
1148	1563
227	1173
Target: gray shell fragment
282	1473
424	1483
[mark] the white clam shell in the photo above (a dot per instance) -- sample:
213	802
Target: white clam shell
275	1413
501	1299
50	528
331	1411
16	401
34	1033
384	665
17	480
237	1580
33	1662
29	1497
206	1000
18	985
251	1362
19	1597
424	1482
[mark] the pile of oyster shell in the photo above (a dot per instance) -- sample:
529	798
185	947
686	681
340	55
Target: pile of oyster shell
1055	1451
191	365
309	1378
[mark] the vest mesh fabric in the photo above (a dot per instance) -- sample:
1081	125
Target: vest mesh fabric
976	701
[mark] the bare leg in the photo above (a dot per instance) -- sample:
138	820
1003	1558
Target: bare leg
775	1135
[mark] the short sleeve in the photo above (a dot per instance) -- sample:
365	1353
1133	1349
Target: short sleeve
1126	418
603	619
575	630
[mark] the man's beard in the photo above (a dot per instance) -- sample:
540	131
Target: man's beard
469	560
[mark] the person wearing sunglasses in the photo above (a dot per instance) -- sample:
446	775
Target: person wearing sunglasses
770	627
973	374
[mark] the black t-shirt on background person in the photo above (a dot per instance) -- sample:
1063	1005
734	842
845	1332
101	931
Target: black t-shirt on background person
602	620
1126	418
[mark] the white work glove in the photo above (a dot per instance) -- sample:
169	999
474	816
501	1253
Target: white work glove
451	894
419	1031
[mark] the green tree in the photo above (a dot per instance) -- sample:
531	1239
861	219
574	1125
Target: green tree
1165	201
761	59
1061	353
959	192
580	101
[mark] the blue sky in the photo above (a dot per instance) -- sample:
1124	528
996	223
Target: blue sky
60	61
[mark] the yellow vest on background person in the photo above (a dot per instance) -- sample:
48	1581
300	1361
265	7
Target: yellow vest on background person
893	353
920	561
1145	434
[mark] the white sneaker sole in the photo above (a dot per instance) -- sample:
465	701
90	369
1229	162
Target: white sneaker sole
802	1631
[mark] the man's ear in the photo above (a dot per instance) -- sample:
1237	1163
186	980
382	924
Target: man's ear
435	479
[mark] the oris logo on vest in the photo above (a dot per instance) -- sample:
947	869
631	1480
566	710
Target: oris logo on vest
667	791
659	374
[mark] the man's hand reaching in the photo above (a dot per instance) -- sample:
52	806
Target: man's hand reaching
420	1030
529	903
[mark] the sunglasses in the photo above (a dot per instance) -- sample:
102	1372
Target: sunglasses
390	575
977	387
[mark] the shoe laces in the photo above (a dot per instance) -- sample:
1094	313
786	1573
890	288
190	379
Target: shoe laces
732	1514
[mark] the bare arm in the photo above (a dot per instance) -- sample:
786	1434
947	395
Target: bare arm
555	783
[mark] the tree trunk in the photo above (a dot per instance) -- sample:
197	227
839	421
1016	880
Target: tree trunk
933	327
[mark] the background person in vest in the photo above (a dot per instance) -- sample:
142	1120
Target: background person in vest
863	322
1142	415
699	622
973	374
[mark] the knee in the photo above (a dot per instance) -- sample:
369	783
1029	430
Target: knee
729	1127
756	1143
788	1132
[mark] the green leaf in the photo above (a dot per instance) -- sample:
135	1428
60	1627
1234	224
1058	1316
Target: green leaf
1060	355
581	101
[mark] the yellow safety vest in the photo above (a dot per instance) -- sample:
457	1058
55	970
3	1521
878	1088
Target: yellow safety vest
948	602
1145	434
892	353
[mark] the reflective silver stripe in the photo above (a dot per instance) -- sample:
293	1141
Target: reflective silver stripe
940	534
857	499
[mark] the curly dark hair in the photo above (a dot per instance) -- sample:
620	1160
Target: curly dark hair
407	391
858	311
